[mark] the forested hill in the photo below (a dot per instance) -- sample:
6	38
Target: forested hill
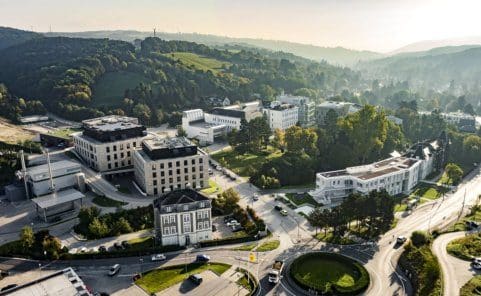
333	55
10	36
432	69
80	78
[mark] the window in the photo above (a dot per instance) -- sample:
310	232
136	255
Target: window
168	209
186	170
177	163
161	165
199	215
193	169
108	157
178	171
134	144
121	155
116	164
155	182
128	153
201	160
170	164
206	224
178	178
201	204
115	147
166	230
109	166
165	220
128	145
173	230
115	156
170	172
155	190
187	228
185	162
107	149
193	161
172	218
154	175
121	146
201	175
162	174
199	226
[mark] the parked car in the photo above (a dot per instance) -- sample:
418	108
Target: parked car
477	260
233	222
118	246
401	239
278	207
255	197
476	265
158	257
283	212
210	172
125	244
219	168
233	177
136	277
8	287
472	224
237	228
114	269
196	279
83	250
214	228
228	218
202	258
102	249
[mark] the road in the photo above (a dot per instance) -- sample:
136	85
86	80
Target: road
456	272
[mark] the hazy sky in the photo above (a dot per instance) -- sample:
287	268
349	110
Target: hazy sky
380	25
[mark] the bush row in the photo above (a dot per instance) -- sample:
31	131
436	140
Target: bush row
361	284
121	253
227	241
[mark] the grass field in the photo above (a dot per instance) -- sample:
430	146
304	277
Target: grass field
13	134
239	164
160	279
64	132
247	247
474	215
268	246
197	61
472	287
426	192
465	247
301	198
109	89
107	202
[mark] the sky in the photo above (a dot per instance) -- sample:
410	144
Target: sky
377	25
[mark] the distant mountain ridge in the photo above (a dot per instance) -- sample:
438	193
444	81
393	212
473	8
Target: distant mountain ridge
333	55
430	44
11	36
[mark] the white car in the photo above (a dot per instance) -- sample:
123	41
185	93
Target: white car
158	257
477	260
255	197
477	265
401	239
114	269
83	250
233	222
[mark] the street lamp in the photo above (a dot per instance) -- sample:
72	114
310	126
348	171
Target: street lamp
141	260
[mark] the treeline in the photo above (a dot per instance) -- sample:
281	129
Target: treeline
374	212
61	72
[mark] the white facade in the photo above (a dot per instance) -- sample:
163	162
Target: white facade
106	156
158	176
65	174
306	108
341	108
282	116
195	126
395	175
187	224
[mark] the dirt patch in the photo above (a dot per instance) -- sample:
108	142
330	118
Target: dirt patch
12	134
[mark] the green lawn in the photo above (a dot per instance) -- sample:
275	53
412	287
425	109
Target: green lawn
141	243
465	247
472	287
427	192
239	164
104	201
474	215
109	89
247	247
64	132
268	246
301	198
197	61
330	238
212	189
160	279
124	190
444	180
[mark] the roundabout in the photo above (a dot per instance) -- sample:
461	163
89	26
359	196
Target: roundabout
328	274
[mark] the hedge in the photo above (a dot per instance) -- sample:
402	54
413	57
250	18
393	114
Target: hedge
121	253
227	241
360	285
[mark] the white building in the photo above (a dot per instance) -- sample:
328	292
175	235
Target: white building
208	126
107	143
196	127
182	217
281	116
65	174
341	108
396	175
306	108
166	164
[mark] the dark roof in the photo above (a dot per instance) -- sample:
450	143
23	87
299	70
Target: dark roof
181	196
228	112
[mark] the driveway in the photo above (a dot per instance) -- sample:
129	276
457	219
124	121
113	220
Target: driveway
456	272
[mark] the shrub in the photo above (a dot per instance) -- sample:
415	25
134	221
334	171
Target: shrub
420	238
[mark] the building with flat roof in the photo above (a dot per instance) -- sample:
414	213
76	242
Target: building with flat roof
65	174
63	282
107	143
396	175
58	205
306	108
195	126
281	116
341	109
182	217
166	164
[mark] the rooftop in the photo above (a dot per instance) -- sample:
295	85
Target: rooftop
202	124
335	104
56	198
40	172
169	143
111	123
182	196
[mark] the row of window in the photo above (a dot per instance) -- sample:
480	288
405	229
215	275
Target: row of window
177	164
122	155
186	229
202	204
170	172
121	146
171	180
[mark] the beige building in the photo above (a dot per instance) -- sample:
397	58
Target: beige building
108	143
166	164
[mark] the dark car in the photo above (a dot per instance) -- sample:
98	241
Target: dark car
136	277
278	207
125	244
118	246
8	287
196	279
214	228
202	258
471	224
102	249
228	218
237	228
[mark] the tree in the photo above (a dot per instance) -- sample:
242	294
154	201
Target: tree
301	140
279	140
419	238
121	226
454	172
181	132
27	237
98	228
472	148
143	113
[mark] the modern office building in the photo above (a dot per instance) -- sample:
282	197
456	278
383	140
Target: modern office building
107	143
166	164
195	126
306	108
58	205
396	175
65	174
341	108
464	122
182	217
281	116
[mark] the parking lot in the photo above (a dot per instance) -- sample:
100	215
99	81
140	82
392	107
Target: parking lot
212	285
